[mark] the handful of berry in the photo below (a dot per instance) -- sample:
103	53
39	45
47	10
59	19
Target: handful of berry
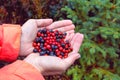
49	42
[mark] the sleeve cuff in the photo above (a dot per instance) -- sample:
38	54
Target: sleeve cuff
10	42
24	70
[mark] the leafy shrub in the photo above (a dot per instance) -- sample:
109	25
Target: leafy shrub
19	11
52	8
99	21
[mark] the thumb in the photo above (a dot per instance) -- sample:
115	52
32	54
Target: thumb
33	60
71	59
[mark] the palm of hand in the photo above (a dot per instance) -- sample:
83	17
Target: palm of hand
50	65
30	28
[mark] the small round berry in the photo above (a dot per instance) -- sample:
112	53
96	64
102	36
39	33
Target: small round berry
52	53
66	46
65	56
60	36
53	34
39	50
63	50
45	35
35	50
62	53
34	44
40	30
38	44
44	30
60	56
48	46
38	34
60	48
67	41
58	40
48	52
41	46
56	50
65	34
71	49
45	44
42	41
63	45
40	38
37	47
43	49
55	47
42	53
58	53
37	40
50	30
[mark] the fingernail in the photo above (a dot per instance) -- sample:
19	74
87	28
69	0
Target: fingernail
78	56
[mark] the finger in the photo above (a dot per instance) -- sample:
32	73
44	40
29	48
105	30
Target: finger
59	24
66	28
69	32
77	41
27	50
71	59
34	54
69	37
43	22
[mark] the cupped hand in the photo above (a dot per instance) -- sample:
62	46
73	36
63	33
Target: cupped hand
30	28
50	65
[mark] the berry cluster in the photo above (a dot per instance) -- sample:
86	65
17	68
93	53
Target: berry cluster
49	42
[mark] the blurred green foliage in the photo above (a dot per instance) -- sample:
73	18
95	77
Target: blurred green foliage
99	21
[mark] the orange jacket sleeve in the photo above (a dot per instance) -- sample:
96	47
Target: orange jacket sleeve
20	70
9	49
9	42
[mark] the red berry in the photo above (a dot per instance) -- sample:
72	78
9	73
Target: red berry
39	50
38	34
69	45
66	46
53	34
60	56
58	45
45	54
60	48
37	47
47	41
71	49
34	44
66	51
45	44
63	50
38	44
56	50
65	56
48	46
42	35
58	53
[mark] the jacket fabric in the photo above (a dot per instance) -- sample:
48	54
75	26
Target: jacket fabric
9	51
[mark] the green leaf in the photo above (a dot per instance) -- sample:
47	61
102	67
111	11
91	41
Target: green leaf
92	50
116	35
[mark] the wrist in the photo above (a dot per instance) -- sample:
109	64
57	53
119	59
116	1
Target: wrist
36	66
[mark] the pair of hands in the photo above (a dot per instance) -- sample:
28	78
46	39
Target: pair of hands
49	65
